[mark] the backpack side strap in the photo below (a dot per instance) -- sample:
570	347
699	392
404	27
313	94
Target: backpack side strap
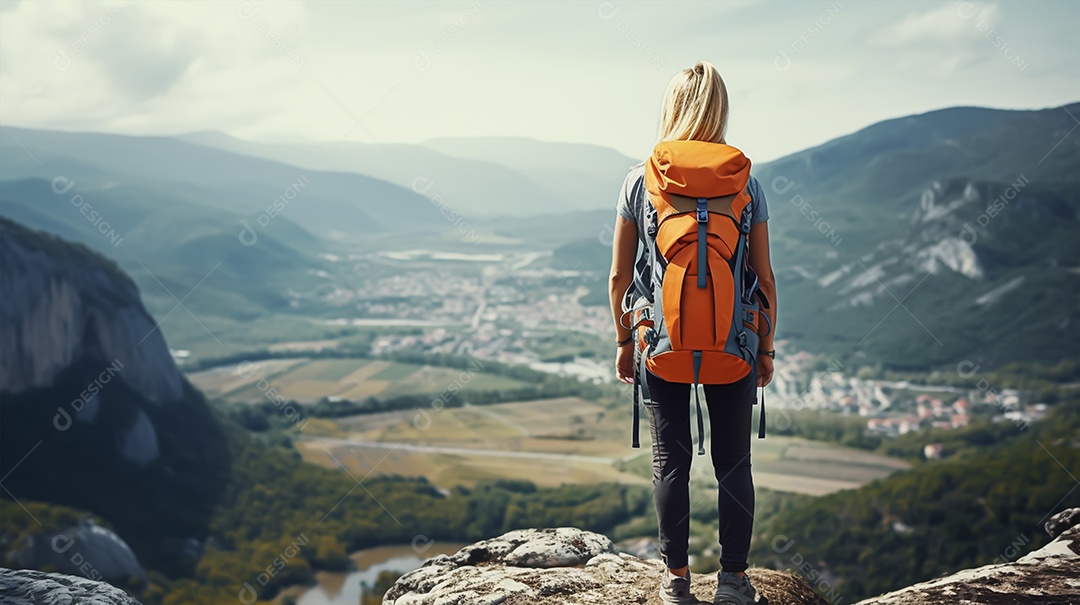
761	418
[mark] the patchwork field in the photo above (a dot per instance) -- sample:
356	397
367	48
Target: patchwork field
557	441
308	380
551	441
221	381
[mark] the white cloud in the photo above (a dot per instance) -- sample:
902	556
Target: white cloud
949	25
938	42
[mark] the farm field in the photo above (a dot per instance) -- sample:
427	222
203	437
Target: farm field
557	441
307	380
549	441
223	380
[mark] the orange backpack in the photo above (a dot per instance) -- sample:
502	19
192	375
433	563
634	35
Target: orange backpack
697	313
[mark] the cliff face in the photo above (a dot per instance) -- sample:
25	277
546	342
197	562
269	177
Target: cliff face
95	413
63	303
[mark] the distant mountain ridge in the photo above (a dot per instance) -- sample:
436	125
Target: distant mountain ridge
479	177
473	187
331	204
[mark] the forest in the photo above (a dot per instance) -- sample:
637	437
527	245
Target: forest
998	484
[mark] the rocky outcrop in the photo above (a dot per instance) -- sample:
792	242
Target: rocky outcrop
563	566
952	227
30	587
1048	576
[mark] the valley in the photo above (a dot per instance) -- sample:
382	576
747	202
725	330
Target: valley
455	361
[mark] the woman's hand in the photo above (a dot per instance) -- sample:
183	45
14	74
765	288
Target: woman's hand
624	363
764	370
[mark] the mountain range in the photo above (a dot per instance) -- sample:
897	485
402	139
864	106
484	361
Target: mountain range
912	243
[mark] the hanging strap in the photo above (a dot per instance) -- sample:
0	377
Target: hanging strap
640	382
639	386
702	233
761	418
634	440
697	402
642	368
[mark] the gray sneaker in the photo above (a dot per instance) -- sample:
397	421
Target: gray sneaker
733	589
676	590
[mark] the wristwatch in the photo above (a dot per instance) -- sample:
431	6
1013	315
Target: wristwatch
770	353
623	343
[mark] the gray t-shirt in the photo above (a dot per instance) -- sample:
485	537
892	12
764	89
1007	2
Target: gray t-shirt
633	196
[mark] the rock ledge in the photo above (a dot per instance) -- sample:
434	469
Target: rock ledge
563	566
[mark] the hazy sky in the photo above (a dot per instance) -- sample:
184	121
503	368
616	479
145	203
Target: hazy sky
799	73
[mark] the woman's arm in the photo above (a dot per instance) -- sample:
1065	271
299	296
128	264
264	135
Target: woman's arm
762	265
623	254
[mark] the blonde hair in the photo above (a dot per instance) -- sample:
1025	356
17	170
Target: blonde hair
695	106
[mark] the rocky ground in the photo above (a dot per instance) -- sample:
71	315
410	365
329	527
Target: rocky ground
568	566
564	566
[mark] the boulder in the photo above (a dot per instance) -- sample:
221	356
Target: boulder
32	587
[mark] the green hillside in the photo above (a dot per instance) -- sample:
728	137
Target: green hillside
170	239
941	516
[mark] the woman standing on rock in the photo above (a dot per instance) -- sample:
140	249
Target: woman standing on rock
693	204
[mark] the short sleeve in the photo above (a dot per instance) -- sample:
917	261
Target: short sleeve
759	208
629	204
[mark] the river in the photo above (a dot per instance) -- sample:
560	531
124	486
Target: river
344	588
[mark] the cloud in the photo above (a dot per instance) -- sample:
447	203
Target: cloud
144	55
949	25
938	42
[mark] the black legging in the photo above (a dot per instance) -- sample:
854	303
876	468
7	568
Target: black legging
730	409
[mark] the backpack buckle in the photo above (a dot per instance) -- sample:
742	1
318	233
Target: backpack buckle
702	210
651	337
